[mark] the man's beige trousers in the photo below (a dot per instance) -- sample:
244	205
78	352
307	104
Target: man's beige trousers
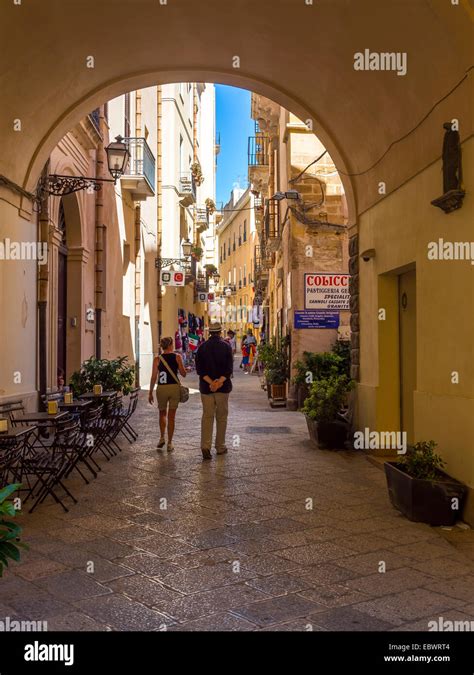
214	405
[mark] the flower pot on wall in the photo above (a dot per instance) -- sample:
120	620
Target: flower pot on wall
425	501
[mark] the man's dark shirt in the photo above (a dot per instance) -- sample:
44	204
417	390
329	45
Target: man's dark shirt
214	358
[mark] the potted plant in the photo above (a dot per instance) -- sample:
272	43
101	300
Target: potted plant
196	171
317	365
196	252
210	269
326	399
276	379
113	375
210	206
9	531
275	360
419	488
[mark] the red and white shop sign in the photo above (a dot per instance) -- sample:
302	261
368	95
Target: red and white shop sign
171	278
326	291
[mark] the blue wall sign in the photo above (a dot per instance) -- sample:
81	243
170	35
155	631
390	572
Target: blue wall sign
316	319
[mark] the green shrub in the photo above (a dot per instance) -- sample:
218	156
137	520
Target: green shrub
113	375
321	365
9	531
421	461
275	362
327	397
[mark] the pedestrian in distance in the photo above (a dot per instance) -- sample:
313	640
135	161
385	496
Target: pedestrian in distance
243	342
166	367
214	365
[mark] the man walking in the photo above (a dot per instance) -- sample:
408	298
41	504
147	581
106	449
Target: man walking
214	365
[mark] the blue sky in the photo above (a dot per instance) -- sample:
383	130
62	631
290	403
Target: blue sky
235	125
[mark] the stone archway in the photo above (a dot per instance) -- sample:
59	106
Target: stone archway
299	54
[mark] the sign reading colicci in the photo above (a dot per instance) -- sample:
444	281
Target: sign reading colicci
323	290
171	278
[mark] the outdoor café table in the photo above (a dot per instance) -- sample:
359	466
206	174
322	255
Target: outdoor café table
75	406
104	395
42	419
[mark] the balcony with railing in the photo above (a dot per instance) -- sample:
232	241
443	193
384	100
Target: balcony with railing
272	225
139	176
187	189
262	263
201	216
258	161
258	150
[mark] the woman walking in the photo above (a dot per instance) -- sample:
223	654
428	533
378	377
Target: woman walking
165	370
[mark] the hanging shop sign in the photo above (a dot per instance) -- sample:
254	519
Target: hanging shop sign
171	278
211	297
315	319
202	296
326	291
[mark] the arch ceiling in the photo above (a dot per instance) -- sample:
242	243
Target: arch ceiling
300	55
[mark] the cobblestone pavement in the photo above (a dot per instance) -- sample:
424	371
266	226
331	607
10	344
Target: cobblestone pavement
237	547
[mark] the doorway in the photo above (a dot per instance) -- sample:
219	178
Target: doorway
408	357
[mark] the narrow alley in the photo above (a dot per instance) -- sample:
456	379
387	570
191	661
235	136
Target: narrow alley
275	535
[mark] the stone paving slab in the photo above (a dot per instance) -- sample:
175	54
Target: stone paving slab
181	544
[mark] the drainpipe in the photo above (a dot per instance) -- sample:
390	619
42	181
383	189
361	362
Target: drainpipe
99	240
159	206
137	291
43	291
138	256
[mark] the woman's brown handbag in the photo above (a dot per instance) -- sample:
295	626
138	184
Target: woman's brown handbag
183	391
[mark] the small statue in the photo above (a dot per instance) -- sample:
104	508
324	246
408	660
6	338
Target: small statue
453	194
452	167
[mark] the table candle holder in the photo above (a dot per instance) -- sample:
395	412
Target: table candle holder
52	407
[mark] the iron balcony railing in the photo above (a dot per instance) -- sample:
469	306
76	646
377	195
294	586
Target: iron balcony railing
258	150
202	215
272	226
141	161
187	185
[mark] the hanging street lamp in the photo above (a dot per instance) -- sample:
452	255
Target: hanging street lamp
186	247
60	185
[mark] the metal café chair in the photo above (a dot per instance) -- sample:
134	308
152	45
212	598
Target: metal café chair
49	465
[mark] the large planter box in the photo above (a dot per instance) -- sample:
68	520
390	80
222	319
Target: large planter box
278	392
424	501
327	435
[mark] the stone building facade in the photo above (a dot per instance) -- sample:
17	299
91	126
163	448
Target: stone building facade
236	236
297	237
